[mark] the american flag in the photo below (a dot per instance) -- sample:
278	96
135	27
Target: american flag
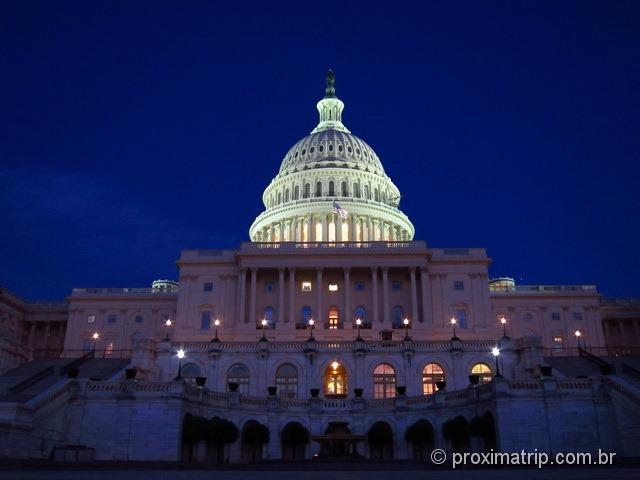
339	210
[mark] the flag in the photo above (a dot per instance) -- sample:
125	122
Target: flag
339	210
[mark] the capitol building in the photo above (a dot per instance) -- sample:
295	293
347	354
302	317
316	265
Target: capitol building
331	333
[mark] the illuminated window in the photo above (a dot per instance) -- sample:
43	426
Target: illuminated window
306	286
108	349
335	380
483	372
333	287
91	318
431	374
361	313
334	318
557	342
384	381
306	314
239	374
287	381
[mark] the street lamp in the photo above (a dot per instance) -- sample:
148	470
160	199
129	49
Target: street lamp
180	356
264	324
312	324
358	325
453	327
405	322
578	335
495	352
503	321
168	324
216	323
95	337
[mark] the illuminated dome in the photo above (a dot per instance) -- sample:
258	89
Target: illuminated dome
331	187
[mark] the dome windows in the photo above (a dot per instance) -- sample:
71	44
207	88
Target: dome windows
340	148
349	149
331	147
304	150
296	155
357	151
312	149
321	148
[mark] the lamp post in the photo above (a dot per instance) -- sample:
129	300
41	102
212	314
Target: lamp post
578	335
264	324
405	322
180	354
312	324
453	327
216	323
358	325
95	337
168	324
496	352
503	321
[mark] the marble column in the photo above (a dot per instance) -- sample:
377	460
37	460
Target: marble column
337	222
374	293
325	229
242	287
252	301
385	295
425	286
414	294
309	227
292	294
280	316
320	316
347	297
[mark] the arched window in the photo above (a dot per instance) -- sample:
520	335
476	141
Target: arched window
279	198
335	380
397	315
332	189
319	189
296	192
190	370
343	189
361	313
483	372
384	381
286	195
270	317
305	315
356	190
307	190
287	381
334	318
432	373
376	195
367	195
239	374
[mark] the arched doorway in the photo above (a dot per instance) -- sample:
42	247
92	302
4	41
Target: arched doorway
384	381
294	439
456	431
420	437
483	427
287	381
380	441
254	437
335	380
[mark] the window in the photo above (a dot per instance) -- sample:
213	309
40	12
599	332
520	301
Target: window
397	316
384	381
483	372
190	371
528	317
555	315
343	189
306	314
333	287
207	286
332	191
361	313
108	349
112	318
359	286
396	286
335	380
87	346
306	286
239	374
356	190
269	315
269	287
205	320
287	381
458	285
577	315
432	373
319	189
334	318
307	190
139	319
461	316
557	342
296	192
91	319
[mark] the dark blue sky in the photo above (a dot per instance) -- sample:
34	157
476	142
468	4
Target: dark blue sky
132	130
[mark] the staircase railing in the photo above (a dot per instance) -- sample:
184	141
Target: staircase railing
631	371
605	367
77	362
33	379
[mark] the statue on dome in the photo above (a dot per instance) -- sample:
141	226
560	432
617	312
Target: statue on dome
330	92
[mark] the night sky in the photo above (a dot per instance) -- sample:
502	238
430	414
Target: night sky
132	130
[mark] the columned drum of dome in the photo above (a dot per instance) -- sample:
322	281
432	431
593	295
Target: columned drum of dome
331	168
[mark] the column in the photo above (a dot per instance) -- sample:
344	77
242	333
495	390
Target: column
320	317
392	233
281	231
270	232
385	294
242	287
414	294
325	229
337	221
374	293
292	294
426	295
370	236
347	297
308	227
252	301
280	316
353	231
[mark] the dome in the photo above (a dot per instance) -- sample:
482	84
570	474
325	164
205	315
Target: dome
331	148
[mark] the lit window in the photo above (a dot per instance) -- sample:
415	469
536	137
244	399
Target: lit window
112	318
205	320
396	286
333	287
269	316
208	287
557	342
139	319
384	381
334	318
458	285
108	349
461	317
91	318
306	315
483	372
432	374
306	286
360	286
335	380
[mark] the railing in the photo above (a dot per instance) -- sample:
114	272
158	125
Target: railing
100	353
32	380
77	362
605	367
297	246
630	351
630	371
152	292
541	288
620	302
